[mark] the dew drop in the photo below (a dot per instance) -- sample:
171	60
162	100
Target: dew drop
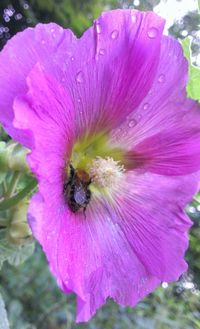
161	78
124	133
152	33
52	30
72	58
114	34
118	133
98	28
133	18
79	77
146	105
132	123
136	3
102	52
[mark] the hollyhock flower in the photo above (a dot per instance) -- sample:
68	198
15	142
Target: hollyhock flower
115	148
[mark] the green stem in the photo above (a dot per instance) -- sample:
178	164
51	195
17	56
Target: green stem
4	186
6	204
13	184
196	199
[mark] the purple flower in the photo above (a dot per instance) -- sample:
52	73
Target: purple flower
111	104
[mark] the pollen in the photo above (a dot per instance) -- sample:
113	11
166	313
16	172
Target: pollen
106	172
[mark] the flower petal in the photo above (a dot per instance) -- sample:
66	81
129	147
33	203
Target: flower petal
116	68
82	252
89	256
47	112
121	249
17	59
163	134
150	214
171	152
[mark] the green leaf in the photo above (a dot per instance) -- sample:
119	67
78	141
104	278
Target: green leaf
15	255
3	315
193	86
13	201
21	254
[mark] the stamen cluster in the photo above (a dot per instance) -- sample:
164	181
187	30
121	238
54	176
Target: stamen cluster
106	172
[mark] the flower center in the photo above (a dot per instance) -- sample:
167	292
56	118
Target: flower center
105	172
92	147
103	162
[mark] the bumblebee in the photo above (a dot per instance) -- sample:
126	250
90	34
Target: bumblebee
76	189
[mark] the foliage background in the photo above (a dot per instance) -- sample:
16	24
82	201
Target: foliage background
31	296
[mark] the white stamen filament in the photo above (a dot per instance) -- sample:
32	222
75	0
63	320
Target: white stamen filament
106	172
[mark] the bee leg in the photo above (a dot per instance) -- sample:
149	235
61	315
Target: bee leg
66	184
88	195
72	170
84	210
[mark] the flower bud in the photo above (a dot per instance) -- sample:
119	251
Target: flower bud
18	230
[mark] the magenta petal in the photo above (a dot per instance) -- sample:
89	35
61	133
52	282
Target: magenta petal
35	211
84	254
17	59
172	152
47	112
121	250
91	256
153	221
111	68
163	134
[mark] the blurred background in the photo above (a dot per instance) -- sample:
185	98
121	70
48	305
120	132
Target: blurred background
31	296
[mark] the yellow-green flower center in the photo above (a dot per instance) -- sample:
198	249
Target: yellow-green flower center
99	159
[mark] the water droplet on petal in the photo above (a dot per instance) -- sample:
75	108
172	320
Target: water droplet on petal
52	30
146	105
102	52
114	34
161	78
132	123
118	132
152	33
98	28
136	3
133	18
124	133
79	77
72	58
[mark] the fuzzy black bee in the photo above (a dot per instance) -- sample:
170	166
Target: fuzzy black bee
76	189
